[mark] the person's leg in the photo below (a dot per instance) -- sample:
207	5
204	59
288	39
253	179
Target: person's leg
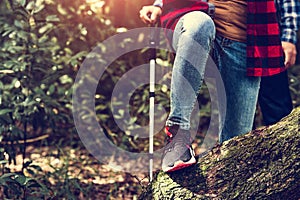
241	90
274	98
192	41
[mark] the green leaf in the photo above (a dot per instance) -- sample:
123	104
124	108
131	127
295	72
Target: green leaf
8	180
10	64
5	111
45	28
22	180
30	5
38	8
22	2
65	79
61	10
7	32
19	24
51	90
6	71
52	18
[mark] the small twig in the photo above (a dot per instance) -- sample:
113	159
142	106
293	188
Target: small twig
31	140
140	180
25	145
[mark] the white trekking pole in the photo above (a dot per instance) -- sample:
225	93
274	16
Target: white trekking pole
151	98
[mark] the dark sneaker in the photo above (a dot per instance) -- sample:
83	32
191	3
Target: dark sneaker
178	152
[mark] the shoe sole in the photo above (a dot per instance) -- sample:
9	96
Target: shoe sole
180	164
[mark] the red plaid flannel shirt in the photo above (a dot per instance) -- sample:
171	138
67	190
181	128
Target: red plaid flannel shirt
264	50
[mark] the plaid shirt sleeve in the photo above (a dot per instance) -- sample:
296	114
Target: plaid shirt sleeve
288	12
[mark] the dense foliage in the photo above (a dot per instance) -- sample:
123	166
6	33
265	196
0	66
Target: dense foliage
42	46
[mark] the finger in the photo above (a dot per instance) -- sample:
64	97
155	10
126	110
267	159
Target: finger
287	59
287	63
293	59
142	17
290	59
290	53
153	17
145	17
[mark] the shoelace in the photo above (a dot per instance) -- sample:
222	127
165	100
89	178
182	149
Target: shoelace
179	142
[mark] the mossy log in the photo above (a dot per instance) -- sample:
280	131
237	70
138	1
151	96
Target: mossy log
263	164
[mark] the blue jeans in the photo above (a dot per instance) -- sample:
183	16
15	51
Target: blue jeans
194	39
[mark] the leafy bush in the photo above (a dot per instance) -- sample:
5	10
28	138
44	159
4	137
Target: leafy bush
36	76
18	186
42	46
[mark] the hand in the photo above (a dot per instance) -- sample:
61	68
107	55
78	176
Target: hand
150	14
290	53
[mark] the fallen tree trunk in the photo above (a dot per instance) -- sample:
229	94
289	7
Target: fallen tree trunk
264	164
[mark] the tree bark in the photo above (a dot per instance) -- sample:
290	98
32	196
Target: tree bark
263	164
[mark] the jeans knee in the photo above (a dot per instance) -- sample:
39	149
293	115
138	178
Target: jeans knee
195	26
198	23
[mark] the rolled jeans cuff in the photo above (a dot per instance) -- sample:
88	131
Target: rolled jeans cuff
184	126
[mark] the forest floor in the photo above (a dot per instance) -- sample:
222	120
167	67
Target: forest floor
72	173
